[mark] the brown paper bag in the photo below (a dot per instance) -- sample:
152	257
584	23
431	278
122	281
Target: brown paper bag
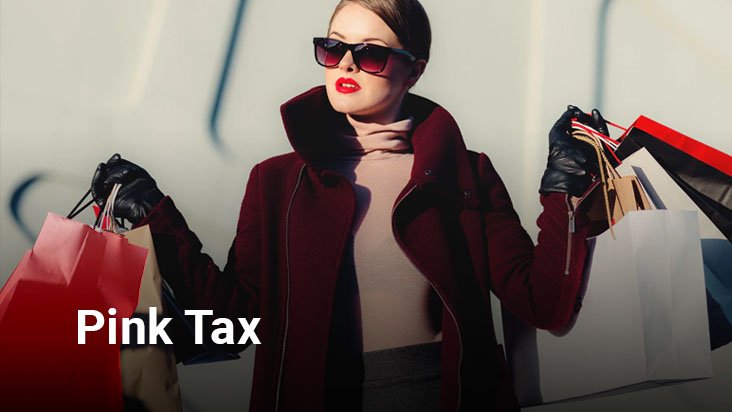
625	194
614	196
149	373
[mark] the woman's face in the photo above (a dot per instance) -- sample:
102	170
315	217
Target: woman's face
375	97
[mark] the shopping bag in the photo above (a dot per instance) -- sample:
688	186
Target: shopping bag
71	267
642	321
716	249
9	288
703	172
181	329
614	195
149	373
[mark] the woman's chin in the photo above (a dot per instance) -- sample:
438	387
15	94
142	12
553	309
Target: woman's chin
343	105
353	104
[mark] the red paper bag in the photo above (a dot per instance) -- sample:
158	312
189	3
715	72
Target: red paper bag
71	267
703	172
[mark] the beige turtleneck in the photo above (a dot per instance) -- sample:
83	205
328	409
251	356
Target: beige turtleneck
397	304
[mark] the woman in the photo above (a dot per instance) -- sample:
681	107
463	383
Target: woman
369	251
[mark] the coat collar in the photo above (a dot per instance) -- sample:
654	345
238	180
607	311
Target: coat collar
440	154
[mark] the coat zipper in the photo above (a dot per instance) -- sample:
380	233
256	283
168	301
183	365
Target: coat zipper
571	224
287	300
570	231
442	298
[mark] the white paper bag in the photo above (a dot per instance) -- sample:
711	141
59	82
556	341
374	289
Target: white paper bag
643	318
716	249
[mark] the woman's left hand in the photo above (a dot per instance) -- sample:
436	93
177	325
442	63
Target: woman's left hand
571	163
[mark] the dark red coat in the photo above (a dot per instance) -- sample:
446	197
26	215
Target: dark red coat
455	222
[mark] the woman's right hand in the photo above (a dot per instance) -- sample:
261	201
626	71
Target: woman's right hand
137	196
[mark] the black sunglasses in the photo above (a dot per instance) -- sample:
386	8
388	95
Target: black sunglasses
370	58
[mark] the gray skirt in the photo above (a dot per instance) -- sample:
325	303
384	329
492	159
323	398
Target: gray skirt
402	379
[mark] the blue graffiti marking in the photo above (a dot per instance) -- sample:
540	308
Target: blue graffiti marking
223	79
16	198
601	54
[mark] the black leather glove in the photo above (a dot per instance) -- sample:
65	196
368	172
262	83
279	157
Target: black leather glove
137	196
571	164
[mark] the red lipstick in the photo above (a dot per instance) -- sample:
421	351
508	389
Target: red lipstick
344	85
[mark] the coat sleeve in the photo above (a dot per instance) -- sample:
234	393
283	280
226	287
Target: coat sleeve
537	283
196	280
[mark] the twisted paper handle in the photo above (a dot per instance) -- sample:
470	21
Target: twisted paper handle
106	216
604	166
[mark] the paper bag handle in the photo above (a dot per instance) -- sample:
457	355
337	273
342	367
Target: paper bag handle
76	209
105	219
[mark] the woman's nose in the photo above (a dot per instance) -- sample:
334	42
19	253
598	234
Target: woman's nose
347	63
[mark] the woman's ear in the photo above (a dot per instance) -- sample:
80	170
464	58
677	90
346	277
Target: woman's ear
416	72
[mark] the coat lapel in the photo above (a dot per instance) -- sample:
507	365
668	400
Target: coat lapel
424	220
440	154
